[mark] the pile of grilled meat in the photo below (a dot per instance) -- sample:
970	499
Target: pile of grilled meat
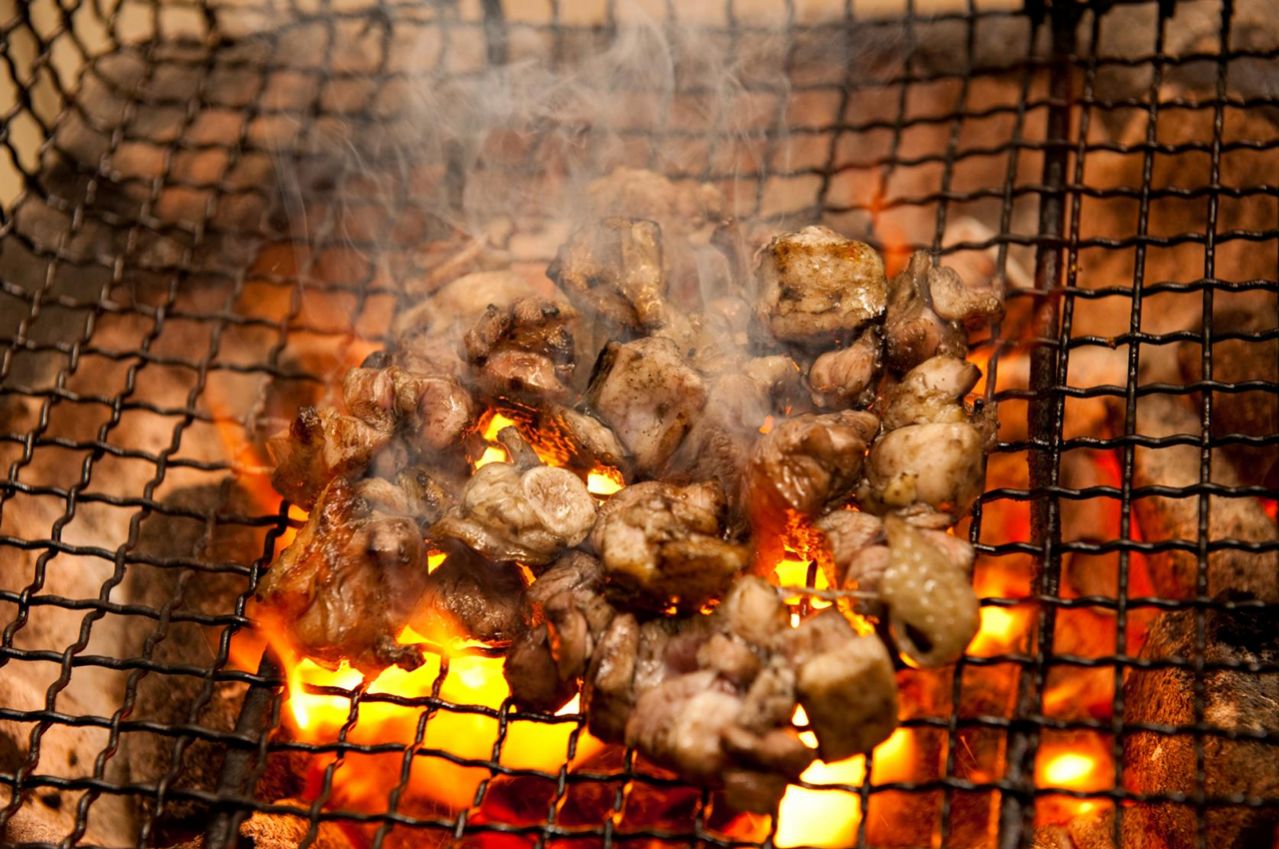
756	397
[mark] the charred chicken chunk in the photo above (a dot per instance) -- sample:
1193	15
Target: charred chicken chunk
932	392
678	209
545	664
928	308
471	598
846	684
431	412
846	377
936	466
524	352
614	269
858	551
529	515
933	610
649	396
349	582
818	287
802	467
320	445
661	545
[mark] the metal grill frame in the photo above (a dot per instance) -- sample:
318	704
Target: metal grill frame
1051	57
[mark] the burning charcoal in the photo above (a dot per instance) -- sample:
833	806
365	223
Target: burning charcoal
530	516
846	377
349	582
933	611
1095	519
1236	699
1162	517
648	395
913	329
524	352
1252	413
321	445
661	545
614	269
818	287
472	598
846	684
805	466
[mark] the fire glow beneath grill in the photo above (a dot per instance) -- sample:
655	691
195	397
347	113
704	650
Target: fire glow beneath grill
460	694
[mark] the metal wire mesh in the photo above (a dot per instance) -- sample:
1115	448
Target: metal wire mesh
189	250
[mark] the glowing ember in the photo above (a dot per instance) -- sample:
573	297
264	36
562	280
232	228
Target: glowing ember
604	481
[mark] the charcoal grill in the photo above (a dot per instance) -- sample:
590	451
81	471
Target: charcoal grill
188	246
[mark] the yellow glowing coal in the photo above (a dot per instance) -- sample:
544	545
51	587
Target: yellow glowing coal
603	480
1068	771
1000	630
467	734
830	817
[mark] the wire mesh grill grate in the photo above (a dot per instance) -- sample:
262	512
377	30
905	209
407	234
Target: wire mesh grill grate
209	211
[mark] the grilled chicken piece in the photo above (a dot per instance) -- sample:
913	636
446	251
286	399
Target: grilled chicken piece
468	597
933	610
649	396
932	392
928	462
718	446
858	550
817	287
524	352
679	209
662	546
432	413
801	468
679	723
346	586
846	377
846	684
591	442
614	269
928	308
529	515
320	445
545	665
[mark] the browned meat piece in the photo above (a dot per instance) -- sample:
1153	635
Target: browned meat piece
679	722
679	209
609	694
817	287
529	516
545	664
718	446
661	545
319	446
431	412
591	442
649	396
913	331
349	582
468	597
933	391
614	269
801	468
933	610
524	352
858	549
937	466
752	611
846	684
846	377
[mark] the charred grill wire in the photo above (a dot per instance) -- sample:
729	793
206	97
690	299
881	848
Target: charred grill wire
184	262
